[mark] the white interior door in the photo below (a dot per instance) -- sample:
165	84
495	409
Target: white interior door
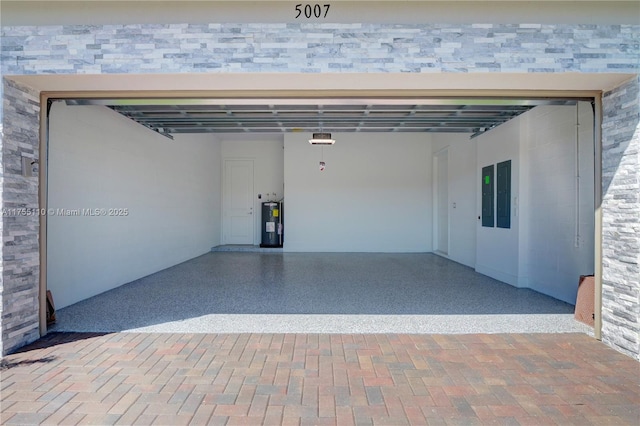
441	202
238	202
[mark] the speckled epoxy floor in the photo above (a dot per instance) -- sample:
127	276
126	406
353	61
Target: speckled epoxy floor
228	292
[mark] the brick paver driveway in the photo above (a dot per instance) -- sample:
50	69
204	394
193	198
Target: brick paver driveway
272	379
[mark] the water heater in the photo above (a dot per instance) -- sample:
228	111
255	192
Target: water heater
272	224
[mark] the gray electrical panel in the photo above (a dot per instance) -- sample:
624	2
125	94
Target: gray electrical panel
487	196
503	197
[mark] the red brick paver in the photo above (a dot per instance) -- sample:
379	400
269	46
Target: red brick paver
300	379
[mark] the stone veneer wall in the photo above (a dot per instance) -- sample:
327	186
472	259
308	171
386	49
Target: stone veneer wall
621	218
305	48
19	288
314	48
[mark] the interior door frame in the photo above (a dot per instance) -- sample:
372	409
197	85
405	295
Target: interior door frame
436	203
225	223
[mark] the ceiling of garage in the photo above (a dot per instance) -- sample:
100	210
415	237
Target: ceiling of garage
172	116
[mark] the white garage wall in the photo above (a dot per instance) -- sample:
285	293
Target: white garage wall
497	248
556	252
543	250
99	159
462	194
267	153
374	196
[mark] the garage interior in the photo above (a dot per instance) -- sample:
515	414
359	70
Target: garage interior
179	177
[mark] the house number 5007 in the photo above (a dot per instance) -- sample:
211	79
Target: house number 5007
309	11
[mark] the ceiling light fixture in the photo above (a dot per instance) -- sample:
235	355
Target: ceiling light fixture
321	139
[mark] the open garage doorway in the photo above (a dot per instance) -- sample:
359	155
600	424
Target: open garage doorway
131	202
